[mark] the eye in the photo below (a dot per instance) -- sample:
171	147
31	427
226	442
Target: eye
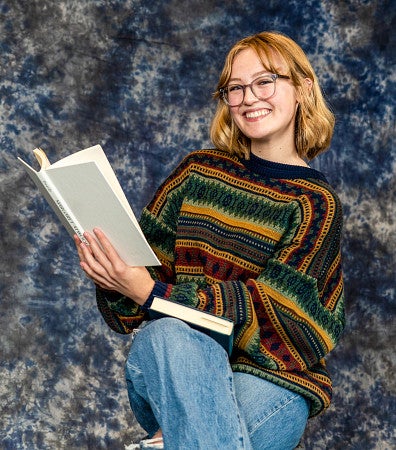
263	81
234	88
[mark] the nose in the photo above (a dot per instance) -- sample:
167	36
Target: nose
249	97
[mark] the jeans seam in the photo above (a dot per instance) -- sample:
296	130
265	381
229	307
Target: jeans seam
281	406
240	418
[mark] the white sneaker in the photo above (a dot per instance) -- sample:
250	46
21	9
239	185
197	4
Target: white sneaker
147	444
132	447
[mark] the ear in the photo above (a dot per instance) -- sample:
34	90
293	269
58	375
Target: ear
304	89
309	83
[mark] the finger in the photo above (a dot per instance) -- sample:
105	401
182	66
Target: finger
106	245
94	256
95	276
104	263
96	250
93	268
77	242
97	268
94	263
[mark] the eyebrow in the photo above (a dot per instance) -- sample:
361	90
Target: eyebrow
255	75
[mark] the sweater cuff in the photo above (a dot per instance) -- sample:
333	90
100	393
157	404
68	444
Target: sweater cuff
160	289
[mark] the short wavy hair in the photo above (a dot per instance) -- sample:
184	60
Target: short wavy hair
314	121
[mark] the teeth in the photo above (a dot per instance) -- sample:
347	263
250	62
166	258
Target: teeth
254	114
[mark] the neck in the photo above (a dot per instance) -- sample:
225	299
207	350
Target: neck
283	155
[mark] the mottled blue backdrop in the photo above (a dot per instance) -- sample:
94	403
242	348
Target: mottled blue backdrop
137	77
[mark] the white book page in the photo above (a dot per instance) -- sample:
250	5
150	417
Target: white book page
97	155
85	190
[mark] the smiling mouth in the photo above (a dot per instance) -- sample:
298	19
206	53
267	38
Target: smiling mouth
256	114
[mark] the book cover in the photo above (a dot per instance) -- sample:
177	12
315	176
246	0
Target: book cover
219	328
84	192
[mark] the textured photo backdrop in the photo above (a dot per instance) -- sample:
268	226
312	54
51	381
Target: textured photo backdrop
137	77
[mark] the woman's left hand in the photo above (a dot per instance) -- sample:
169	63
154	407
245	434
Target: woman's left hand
104	267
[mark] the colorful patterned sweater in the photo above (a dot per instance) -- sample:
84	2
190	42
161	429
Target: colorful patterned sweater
257	242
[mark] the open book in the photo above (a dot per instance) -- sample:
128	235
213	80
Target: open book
84	192
219	328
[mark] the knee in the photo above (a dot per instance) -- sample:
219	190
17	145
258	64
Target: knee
157	342
171	338
164	330
158	334
165	325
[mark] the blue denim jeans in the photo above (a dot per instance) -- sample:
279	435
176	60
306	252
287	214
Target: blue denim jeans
180	380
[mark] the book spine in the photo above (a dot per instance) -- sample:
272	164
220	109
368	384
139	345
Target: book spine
226	341
60	207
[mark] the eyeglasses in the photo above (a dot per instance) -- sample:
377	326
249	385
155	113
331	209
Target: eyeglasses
262	88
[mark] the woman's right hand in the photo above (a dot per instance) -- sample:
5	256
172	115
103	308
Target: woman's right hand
105	268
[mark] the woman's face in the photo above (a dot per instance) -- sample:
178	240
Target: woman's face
268	123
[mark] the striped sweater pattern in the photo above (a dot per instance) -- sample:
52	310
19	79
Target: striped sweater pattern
256	242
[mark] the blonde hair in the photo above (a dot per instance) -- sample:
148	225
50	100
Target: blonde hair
314	121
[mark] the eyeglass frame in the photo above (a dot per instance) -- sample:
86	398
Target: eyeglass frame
274	76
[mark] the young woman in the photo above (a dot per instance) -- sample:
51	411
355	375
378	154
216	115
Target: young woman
250	232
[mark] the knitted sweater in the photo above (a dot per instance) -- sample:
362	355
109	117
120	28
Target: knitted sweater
259	243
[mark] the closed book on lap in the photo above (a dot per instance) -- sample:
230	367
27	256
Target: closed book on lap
219	328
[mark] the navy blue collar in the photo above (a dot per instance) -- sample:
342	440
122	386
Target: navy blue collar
278	170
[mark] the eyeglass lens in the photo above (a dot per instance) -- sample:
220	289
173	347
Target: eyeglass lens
262	88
